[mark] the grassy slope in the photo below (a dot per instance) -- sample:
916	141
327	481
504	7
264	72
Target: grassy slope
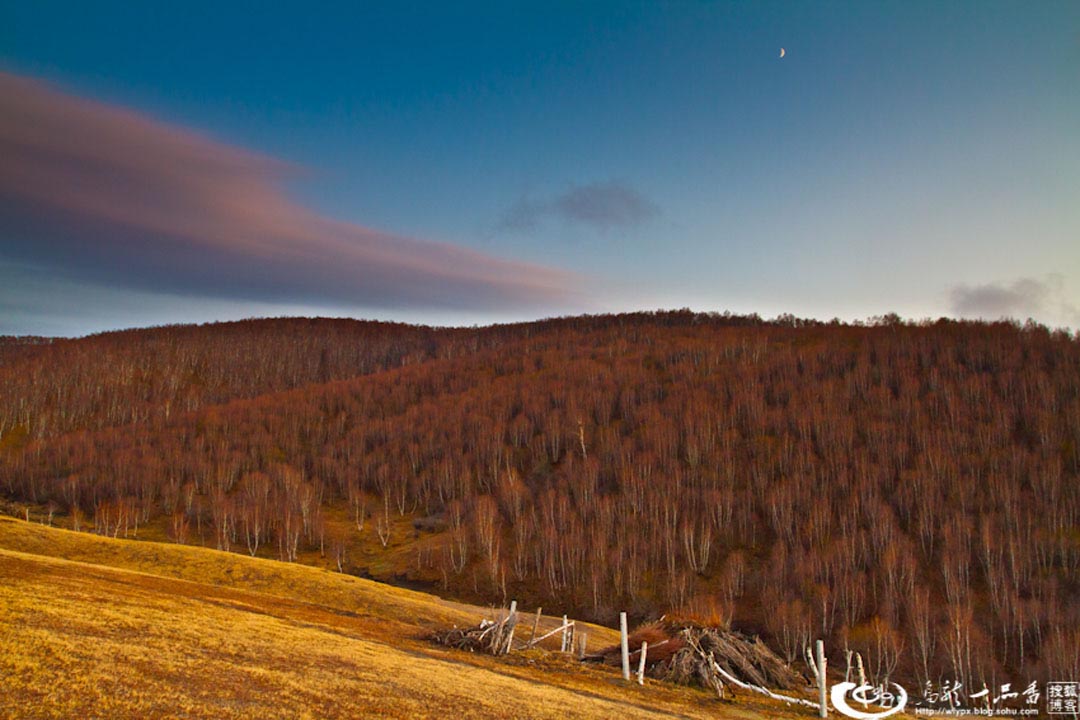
93	627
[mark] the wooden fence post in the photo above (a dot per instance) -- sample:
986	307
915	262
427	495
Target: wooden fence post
641	663
862	675
625	647
511	621
536	624
822	683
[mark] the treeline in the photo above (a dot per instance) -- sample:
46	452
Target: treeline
53	385
145	376
908	491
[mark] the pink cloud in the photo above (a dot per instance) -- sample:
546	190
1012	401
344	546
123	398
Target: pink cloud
103	191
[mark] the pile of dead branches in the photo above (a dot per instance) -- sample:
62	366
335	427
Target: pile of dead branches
495	638
740	656
705	656
710	656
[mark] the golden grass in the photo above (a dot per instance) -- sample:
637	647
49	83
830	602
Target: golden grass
93	627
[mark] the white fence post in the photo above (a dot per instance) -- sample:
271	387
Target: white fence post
625	647
822	683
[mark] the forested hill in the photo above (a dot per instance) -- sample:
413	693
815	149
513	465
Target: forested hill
139	376
57	385
910	491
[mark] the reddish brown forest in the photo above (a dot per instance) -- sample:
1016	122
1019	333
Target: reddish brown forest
909	491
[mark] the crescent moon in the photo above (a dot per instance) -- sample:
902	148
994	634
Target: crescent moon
783	52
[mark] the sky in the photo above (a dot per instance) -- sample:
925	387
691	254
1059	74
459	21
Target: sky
469	163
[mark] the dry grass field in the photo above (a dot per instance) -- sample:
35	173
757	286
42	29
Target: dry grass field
99	628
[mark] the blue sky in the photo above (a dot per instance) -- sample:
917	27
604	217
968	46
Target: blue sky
922	158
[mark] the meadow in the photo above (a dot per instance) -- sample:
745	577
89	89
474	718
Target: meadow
102	628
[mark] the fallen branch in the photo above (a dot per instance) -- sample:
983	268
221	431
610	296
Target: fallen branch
775	696
547	635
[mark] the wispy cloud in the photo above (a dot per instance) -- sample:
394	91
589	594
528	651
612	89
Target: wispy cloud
602	206
1043	300
104	194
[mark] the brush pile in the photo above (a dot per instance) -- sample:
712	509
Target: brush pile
707	652
489	636
709	657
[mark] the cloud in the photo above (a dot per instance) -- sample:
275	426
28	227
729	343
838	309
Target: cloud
602	206
104	194
1044	300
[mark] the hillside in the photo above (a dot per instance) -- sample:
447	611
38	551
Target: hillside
909	491
145	376
95	627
